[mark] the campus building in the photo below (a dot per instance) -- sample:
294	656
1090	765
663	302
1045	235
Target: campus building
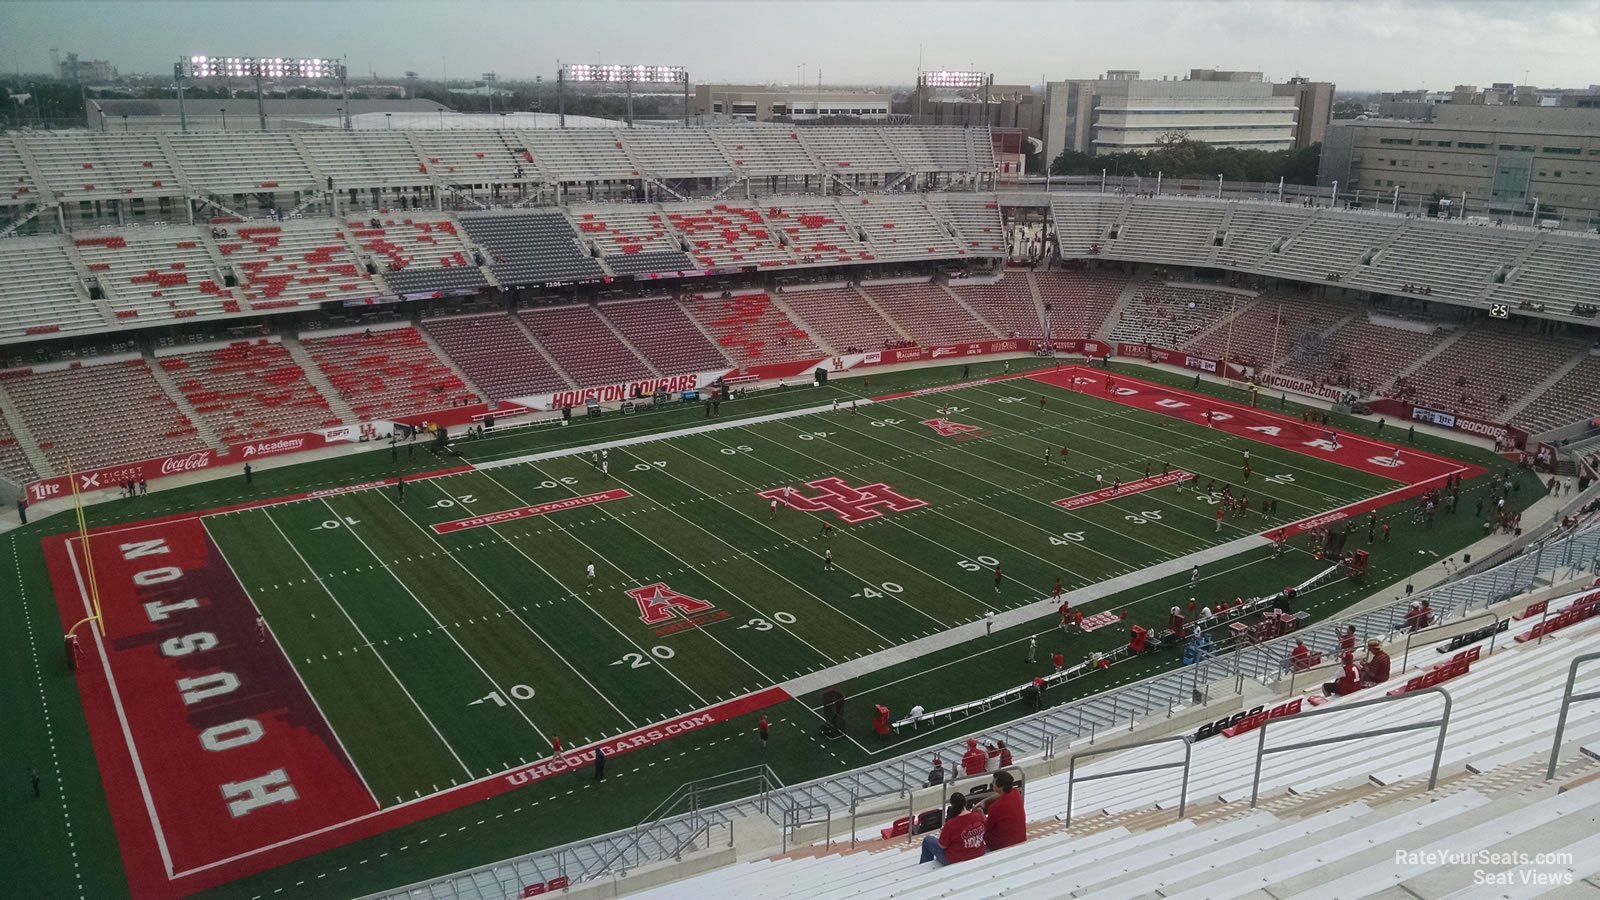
716	103
1120	111
1502	157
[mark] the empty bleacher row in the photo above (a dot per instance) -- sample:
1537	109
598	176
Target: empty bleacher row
257	390
929	314
249	390
582	344
1376	251
1486	370
495	353
662	332
1574	394
1361	355
529	248
100	413
900	228
106	165
386	371
14	461
419	254
1077	303
844	319
1170	315
150	274
1270	328
1007	304
1354	816
752	330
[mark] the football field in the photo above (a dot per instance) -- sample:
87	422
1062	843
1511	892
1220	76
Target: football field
425	645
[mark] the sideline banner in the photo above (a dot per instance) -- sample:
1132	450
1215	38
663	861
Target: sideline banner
1400	409
106	477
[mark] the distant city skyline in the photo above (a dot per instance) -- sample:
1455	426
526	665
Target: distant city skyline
1359	45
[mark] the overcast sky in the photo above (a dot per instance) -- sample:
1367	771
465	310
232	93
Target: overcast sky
1359	44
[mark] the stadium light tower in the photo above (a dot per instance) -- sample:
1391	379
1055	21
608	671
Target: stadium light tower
627	76
942	80
257	68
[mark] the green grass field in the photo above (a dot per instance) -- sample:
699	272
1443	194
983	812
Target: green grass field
443	658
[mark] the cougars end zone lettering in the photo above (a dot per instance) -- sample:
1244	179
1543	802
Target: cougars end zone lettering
624	390
850	504
114	476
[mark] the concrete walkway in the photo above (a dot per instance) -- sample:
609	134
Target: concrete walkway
950	637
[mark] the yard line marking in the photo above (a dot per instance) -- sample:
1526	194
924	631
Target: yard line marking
890	520
747	555
1070	400
1077	424
1052	564
511	701
508	607
363	636
789	542
574	595
699	569
1013	491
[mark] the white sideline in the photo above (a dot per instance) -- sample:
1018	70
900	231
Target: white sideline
659	436
950	637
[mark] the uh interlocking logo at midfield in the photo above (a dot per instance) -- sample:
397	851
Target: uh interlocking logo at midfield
850	504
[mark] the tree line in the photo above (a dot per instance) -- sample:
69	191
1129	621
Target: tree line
1178	156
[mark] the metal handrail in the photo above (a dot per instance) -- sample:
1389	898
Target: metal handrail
690	791
1454	599
1183	791
1567	697
1442	723
1405	656
792	821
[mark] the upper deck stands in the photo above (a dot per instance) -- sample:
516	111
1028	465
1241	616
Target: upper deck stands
242	163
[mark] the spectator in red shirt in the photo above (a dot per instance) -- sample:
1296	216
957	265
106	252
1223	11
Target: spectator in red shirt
1005	825
1348	683
1300	656
974	761
1376	669
1347	640
961	838
1005	755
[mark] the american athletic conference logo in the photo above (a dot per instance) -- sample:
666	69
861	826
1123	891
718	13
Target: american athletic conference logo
850	504
956	431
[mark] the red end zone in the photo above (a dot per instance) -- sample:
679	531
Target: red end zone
1417	471
216	761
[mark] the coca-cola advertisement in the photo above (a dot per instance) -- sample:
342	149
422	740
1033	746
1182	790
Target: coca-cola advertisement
114	477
